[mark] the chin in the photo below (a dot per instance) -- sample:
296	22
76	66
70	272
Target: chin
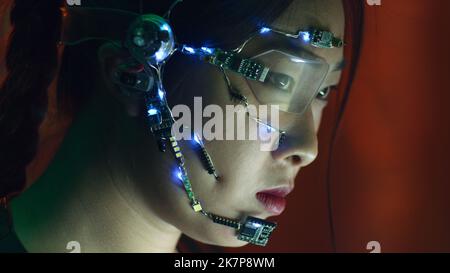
221	236
225	242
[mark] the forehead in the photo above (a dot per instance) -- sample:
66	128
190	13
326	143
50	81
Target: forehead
322	14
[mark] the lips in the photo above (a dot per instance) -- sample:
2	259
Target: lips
274	200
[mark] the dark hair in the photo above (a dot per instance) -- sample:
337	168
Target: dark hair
32	59
31	63
354	13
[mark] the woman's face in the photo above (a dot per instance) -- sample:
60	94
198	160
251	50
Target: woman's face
245	170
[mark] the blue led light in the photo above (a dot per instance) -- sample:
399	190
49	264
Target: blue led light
197	140
188	49
161	94
165	27
306	36
177	177
256	225
207	50
270	129
264	30
180	175
160	55
152	112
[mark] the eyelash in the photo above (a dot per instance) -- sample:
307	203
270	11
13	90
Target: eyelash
324	93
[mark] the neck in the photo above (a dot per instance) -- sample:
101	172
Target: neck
106	223
83	197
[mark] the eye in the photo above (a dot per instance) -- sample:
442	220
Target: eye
281	81
324	93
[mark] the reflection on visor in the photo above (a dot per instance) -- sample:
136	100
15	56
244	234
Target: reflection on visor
290	82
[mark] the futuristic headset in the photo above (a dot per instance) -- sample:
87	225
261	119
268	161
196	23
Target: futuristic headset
151	42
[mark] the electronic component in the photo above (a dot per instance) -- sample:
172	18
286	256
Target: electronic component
256	231
151	41
132	78
314	37
188	187
225	221
323	39
231	61
159	117
205	157
176	150
282	137
182	175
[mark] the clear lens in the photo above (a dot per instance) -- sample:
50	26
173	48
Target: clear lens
291	82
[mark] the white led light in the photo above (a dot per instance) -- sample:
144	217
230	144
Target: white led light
207	50
152	112
160	55
306	36
165	27
197	139
188	49
180	175
264	30
256	225
161	94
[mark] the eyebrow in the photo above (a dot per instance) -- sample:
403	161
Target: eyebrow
306	49
337	67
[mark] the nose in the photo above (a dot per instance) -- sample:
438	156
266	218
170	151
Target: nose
300	146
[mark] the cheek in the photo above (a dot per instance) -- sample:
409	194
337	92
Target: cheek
240	164
317	107
239	161
198	80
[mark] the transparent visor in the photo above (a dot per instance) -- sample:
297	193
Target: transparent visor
288	81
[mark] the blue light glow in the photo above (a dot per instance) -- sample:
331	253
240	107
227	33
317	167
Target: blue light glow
207	50
177	177
306	36
188	49
197	140
256	225
165	27
180	175
264	30
160	55
161	94
152	112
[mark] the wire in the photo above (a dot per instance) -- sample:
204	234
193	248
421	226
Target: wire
169	12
